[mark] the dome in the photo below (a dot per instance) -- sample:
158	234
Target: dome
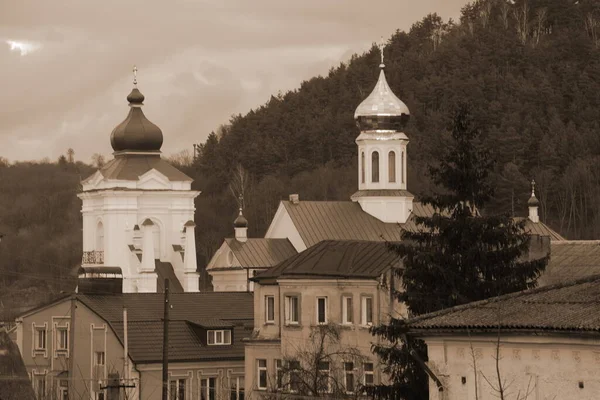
533	201
381	110
240	221
136	133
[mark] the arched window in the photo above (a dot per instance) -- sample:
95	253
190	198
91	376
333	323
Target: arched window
156	239
392	166
362	166
402	166
375	166
99	236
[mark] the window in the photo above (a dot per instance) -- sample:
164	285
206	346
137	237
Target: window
100	395
270	309
39	386
219	337
402	166
321	310
323	377
347	310
279	374
367	311
295	378
63	394
177	389
62	339
261	374
368	377
99	358
362	167
292	310
392	166
100	236
40	338
237	388
208	389
349	376
375	167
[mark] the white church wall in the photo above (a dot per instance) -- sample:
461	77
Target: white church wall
282	227
552	367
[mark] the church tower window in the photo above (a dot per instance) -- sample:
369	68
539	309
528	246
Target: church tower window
362	167
402	166
100	236
392	166
375	167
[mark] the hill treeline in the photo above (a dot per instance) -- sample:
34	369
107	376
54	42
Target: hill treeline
530	69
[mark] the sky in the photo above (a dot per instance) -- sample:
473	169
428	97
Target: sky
66	65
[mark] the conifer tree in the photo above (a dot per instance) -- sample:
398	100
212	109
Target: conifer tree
456	256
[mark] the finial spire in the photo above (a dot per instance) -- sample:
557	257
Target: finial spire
241	202
381	46
532	188
134	76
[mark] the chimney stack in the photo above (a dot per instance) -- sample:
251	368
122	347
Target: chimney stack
295	198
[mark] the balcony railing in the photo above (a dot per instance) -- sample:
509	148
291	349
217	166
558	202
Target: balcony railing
93	257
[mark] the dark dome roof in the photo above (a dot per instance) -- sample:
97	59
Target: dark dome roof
533	201
240	221
136	132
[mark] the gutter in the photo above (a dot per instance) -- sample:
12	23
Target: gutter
422	364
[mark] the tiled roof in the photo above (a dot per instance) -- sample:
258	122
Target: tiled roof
572	260
567	307
329	258
145	310
131	167
346	220
165	270
261	252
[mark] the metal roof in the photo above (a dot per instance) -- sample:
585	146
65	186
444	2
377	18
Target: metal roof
566	307
130	167
165	270
572	260
261	252
539	228
341	259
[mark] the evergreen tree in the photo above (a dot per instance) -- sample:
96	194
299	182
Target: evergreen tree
456	256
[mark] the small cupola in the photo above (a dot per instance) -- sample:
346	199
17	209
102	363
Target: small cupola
136	133
533	204
240	225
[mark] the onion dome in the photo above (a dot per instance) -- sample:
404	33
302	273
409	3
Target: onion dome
240	221
381	110
136	132
533	201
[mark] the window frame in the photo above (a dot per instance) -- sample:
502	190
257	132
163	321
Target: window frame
347	373
294	369
224	333
41	333
178	386
325	316
99	356
279	375
269	309
207	388
392	166
375	164
321	372
290	299
368	372
364	310
237	391
60	332
259	371
347	315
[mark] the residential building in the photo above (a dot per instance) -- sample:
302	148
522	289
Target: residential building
74	347
335	287
541	344
138	210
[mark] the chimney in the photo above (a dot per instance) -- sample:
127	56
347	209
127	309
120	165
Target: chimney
189	257
148	246
295	198
533	204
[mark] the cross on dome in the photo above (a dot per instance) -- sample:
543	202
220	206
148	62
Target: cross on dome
381	46
134	76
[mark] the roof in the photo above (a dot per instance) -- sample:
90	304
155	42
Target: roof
261	252
564	307
188	312
341	259
129	167
14	381
344	220
165	270
572	260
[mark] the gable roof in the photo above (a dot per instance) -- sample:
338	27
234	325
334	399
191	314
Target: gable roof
188	311
346	220
572	260
131	167
340	259
565	307
257	253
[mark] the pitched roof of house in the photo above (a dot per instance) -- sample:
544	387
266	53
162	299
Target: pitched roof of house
14	380
346	220
564	307
131	167
188	311
572	260
330	258
256	253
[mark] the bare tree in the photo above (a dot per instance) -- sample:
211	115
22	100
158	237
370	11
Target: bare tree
98	160
504	9
184	158
522	17
540	24
592	25
239	184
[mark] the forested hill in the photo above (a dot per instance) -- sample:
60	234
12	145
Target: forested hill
530	69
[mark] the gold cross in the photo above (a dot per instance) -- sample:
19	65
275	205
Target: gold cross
134	76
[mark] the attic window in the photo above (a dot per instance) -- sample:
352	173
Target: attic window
219	337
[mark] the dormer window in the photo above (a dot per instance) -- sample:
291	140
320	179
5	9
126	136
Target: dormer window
218	337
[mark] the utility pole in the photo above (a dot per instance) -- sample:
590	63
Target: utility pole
165	366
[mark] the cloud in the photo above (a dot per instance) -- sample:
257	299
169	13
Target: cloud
199	62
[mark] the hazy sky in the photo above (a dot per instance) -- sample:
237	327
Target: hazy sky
198	62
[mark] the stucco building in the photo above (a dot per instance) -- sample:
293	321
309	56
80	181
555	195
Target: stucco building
546	342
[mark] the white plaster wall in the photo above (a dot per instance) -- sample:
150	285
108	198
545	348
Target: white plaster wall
388	209
551	366
282	227
383	147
